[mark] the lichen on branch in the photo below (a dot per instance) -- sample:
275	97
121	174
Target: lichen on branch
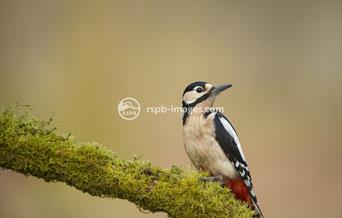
32	147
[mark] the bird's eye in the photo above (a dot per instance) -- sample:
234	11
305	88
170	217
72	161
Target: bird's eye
199	89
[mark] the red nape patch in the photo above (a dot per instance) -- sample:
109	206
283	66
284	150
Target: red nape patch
240	190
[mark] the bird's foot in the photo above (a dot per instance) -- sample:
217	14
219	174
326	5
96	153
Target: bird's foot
218	179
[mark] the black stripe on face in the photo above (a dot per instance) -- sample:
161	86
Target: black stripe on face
188	107
200	99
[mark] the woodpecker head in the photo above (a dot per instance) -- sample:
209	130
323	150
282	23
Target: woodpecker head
202	93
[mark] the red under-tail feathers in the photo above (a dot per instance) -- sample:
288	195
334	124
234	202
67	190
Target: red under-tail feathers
240	190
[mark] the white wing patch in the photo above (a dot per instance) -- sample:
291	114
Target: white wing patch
231	132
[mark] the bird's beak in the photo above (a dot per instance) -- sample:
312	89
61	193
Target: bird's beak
218	89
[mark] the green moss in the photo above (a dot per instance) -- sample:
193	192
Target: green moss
32	147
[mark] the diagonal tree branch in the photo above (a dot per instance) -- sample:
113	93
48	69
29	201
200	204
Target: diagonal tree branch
32	147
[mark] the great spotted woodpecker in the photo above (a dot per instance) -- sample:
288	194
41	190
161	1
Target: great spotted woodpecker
212	144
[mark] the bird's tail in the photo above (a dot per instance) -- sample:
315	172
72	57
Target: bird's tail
258	213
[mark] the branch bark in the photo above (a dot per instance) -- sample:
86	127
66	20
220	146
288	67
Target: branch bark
32	147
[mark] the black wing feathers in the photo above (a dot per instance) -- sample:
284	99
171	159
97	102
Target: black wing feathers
230	148
226	141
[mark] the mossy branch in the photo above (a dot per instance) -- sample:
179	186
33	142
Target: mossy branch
32	147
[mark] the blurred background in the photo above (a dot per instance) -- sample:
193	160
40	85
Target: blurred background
77	59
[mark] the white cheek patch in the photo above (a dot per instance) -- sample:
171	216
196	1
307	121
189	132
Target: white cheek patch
192	96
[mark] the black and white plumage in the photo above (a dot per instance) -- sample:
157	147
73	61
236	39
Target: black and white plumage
212	144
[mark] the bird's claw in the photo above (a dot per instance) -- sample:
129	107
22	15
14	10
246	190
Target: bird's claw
218	179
